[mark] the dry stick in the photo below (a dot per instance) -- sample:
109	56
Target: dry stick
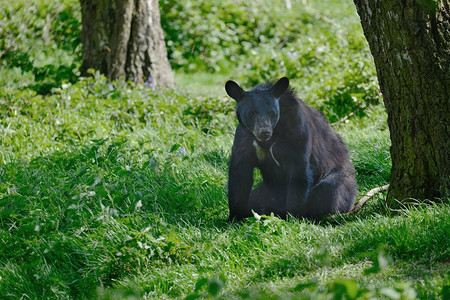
369	195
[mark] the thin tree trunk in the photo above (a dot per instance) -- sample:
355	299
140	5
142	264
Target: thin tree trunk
124	38
410	43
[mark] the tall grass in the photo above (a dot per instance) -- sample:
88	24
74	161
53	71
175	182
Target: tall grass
109	190
112	190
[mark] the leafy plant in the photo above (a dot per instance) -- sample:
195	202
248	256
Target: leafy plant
118	190
43	38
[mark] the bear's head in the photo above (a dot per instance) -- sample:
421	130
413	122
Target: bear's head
259	109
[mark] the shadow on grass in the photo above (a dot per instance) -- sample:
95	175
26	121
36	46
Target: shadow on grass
94	215
104	178
46	77
100	212
218	159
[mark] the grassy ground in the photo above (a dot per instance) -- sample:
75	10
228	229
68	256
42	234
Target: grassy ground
115	190
108	191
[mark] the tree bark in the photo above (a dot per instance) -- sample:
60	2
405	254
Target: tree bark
124	38
410	44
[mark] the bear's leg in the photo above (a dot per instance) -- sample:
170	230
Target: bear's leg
334	193
265	201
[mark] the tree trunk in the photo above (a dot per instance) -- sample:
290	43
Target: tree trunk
124	38
410	43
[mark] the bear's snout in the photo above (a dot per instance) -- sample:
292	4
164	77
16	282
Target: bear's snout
263	135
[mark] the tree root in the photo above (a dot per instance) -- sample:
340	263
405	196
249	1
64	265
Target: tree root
369	195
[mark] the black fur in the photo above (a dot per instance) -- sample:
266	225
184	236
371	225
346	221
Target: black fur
304	163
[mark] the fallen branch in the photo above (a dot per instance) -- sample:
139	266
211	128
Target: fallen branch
369	195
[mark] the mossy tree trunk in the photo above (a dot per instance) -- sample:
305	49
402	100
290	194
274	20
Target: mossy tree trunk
410	43
124	38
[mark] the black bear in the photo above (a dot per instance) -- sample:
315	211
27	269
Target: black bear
304	163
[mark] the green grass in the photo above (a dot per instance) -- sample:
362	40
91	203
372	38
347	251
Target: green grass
202	84
108	190
115	190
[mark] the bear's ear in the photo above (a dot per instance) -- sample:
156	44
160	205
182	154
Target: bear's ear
234	90
280	87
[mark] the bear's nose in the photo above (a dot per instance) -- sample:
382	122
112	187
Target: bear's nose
264	135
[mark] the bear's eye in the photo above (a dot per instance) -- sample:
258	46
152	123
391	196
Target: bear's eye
272	114
253	114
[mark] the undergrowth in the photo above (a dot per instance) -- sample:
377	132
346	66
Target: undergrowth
115	189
